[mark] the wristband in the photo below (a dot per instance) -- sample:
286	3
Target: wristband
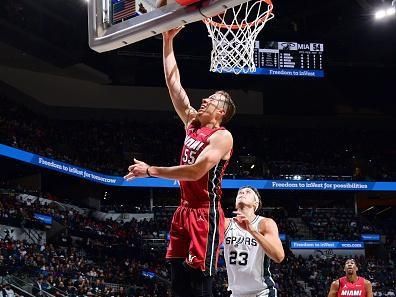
148	172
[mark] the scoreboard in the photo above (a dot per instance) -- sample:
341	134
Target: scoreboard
289	59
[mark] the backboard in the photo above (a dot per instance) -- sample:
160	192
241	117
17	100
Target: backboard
116	23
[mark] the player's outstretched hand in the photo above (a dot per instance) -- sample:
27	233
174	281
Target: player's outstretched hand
169	35
139	169
243	221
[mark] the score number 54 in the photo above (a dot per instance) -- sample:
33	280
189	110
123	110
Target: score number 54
316	47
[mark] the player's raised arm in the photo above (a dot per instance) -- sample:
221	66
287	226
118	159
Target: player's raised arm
177	93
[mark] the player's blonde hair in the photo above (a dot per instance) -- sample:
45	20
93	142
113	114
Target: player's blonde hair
257	198
231	108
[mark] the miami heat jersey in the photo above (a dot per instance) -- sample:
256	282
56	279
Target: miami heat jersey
247	264
356	289
207	188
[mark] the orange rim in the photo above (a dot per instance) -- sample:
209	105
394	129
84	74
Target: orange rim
236	27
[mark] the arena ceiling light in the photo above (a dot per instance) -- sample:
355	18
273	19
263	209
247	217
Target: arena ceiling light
386	11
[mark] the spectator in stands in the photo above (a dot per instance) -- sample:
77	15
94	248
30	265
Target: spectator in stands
9	292
38	287
317	157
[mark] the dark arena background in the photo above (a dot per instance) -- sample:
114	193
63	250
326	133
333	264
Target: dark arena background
321	150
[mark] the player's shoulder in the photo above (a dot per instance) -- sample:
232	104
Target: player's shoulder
224	133
366	281
266	224
266	221
221	136
336	283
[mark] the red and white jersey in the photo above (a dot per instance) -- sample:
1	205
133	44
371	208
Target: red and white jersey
208	188
356	289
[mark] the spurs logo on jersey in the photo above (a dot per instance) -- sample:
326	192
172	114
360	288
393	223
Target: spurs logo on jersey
240	240
247	263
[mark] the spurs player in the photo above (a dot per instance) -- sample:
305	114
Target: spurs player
251	242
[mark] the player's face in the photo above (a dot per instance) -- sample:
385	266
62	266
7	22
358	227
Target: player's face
214	105
350	267
246	197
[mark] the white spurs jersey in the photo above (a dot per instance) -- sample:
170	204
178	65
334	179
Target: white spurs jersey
247	264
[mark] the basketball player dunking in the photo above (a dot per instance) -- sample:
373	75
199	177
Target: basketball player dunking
197	227
351	284
251	241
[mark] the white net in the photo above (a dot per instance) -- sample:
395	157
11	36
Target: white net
234	33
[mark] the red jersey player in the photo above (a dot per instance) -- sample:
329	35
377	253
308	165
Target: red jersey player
351	284
197	227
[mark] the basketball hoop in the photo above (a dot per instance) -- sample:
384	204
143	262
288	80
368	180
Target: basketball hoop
234	33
